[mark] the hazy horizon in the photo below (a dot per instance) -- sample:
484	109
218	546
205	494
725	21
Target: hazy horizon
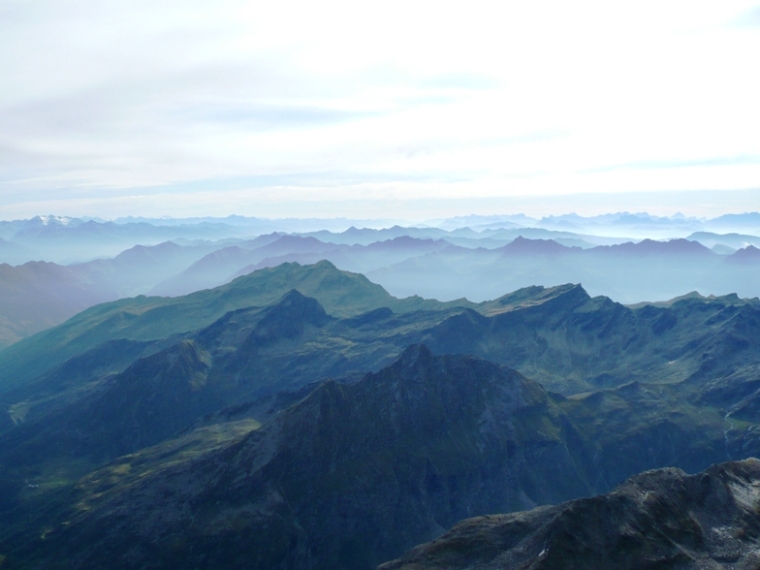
703	205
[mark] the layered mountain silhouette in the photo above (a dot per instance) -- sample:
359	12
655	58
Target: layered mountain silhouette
221	266
431	262
153	318
75	240
629	272
38	295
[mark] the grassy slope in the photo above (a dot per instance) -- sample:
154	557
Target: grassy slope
149	318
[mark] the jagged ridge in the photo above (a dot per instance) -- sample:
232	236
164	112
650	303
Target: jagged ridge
658	519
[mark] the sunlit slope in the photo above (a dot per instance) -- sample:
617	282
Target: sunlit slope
150	318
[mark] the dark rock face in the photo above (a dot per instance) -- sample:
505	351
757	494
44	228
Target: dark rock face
658	519
348	477
351	474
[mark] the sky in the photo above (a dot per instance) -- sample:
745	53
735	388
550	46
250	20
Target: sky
407	109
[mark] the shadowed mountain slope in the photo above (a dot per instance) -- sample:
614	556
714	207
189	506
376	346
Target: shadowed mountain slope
247	354
355	473
658	519
415	447
707	349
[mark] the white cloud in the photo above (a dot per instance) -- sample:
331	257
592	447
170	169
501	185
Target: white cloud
103	101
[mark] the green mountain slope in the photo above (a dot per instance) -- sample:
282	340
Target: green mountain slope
700	353
150	318
139	393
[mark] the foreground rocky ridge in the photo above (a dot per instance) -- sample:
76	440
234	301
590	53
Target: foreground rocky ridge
658	519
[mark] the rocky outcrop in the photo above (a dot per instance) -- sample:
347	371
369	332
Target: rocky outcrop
658	519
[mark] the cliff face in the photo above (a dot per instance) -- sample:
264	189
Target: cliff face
658	519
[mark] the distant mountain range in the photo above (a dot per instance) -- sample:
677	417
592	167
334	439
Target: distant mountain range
69	240
628	272
37	295
432	267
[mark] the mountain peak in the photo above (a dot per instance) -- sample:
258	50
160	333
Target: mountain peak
532	296
749	254
293	297
288	316
654	247
415	359
522	245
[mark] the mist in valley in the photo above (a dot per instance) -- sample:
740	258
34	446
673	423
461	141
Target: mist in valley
443	260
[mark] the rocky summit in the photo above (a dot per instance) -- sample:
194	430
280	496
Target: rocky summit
655	520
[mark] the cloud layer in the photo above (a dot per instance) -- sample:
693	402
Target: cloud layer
263	108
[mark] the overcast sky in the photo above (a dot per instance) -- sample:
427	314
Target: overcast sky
404	109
